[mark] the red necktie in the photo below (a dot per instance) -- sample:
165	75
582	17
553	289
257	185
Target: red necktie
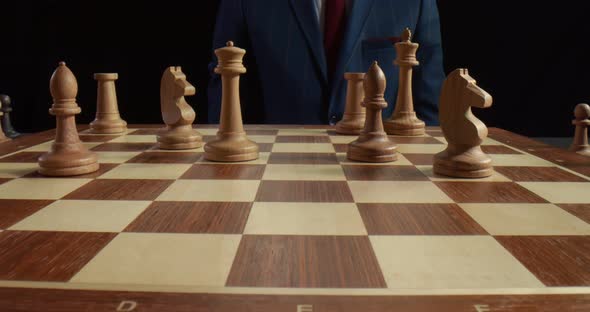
334	22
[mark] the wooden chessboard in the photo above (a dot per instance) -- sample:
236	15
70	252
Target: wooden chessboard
161	230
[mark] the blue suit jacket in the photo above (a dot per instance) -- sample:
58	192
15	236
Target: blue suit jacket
287	78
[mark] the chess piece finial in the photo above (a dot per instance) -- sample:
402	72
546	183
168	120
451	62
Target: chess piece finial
406	35
463	157
108	120
581	121
373	145
67	156
353	119
231	143
6	109
404	121
178	115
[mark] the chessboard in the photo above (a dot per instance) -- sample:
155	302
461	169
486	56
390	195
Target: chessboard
299	229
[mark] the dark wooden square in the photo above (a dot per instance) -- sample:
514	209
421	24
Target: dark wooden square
303	158
414	140
420	159
304	191
383	173
14	210
153	131
262	131
340	148
120	189
554	260
302	139
418	219
123	147
498	149
539	174
488	192
224	171
47	256
102	169
581	211
265	147
192	217
22	157
97	137
305	261
166	157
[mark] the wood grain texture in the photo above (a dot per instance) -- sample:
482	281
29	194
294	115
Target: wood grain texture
14	210
418	219
150	131
498	149
581	211
303	158
97	137
383	173
192	217
304	191
102	169
123	147
539	174
516	140
59	300
166	158
302	139
414	140
555	260
420	159
120	189
261	131
488	192
305	261
340	148
47	256
225	172
23	157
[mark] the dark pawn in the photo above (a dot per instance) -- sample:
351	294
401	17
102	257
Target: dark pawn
6	124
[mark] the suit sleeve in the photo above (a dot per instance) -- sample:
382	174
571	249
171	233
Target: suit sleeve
230	25
429	76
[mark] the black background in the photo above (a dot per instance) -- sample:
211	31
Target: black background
533	57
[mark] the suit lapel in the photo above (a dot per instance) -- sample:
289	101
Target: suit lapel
305	12
357	21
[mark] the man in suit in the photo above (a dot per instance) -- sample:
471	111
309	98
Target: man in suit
298	51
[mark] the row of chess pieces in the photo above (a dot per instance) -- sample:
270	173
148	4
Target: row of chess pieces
463	132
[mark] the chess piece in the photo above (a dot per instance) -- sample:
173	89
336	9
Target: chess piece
2	136
403	121
6	124
107	119
463	157
353	120
373	144
178	115
67	156
582	121
231	143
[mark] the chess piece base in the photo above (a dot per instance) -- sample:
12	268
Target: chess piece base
181	139
67	163
231	149
106	126
584	151
408	125
472	163
351	124
375	151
